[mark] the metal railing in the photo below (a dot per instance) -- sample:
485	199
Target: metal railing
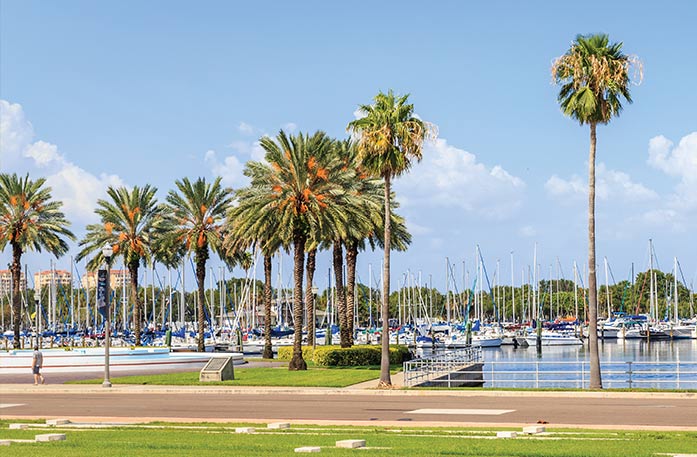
428	369
576	374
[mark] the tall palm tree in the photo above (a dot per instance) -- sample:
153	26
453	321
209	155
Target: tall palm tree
594	78
300	183
29	220
390	139
128	222
195	219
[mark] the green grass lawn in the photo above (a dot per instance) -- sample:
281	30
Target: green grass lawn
214	440
313	377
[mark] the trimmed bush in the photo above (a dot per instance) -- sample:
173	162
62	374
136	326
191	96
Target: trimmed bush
332	356
336	356
285	353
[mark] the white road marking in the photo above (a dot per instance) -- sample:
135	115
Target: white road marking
10	405
464	412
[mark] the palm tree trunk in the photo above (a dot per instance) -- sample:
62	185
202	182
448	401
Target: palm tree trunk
595	376
385	380
201	257
310	297
133	272
351	258
297	362
268	350
338	261
16	268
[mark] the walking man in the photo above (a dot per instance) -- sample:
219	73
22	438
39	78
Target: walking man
36	363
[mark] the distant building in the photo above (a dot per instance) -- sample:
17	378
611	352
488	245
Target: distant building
117	279
6	282
62	278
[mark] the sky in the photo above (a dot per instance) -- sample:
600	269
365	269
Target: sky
98	94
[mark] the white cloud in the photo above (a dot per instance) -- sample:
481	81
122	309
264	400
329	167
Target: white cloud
245	129
679	161
43	153
610	184
77	188
452	177
230	169
290	127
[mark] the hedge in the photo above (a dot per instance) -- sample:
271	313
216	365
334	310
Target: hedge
336	356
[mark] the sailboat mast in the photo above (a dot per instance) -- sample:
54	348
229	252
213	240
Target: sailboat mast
675	293
607	289
512	289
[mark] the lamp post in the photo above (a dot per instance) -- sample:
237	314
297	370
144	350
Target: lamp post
107	252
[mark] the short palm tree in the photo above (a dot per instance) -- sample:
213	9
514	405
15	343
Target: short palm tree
29	220
128	223
195	219
300	183
594	79
390	139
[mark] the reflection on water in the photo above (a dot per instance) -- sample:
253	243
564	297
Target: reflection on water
610	351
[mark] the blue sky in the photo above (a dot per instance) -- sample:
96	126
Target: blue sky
97	93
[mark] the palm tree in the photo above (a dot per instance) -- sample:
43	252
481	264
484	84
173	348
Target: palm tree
195	219
252	224
594	78
128	222
300	183
29	220
390	139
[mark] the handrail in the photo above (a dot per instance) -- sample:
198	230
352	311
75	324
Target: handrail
421	370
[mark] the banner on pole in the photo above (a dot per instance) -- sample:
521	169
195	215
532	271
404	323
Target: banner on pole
102	304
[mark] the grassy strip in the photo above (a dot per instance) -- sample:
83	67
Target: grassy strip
205	440
313	377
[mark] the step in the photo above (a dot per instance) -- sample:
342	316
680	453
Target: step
534	429
57	421
278	425
350	444
50	437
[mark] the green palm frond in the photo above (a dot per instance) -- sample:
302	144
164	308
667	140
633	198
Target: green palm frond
29	218
594	78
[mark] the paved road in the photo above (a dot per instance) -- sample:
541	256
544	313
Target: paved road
133	403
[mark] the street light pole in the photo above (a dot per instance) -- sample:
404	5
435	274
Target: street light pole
107	251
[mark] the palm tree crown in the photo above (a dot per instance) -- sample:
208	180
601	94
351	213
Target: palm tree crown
390	136
594	78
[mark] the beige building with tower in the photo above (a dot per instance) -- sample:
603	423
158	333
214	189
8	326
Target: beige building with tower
63	278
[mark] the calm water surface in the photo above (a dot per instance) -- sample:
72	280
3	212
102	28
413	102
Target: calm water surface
624	363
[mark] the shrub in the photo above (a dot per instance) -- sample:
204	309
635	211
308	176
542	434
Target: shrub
332	356
285	353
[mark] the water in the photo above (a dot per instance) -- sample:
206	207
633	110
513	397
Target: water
624	363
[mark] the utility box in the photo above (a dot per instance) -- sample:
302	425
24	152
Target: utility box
217	369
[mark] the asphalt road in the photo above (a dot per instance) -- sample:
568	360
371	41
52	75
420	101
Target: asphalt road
132	403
